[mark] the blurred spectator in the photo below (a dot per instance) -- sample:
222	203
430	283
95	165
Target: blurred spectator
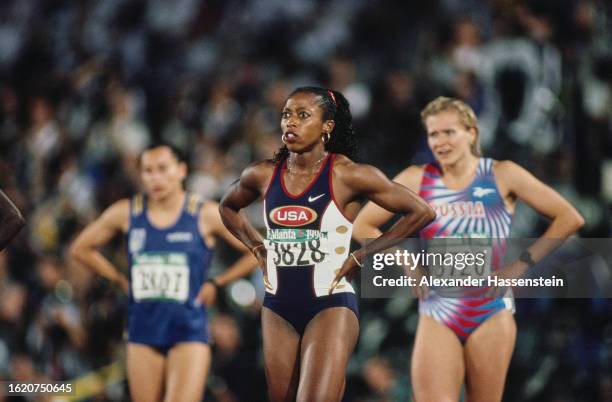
42	143
343	77
221	113
57	335
383	382
122	134
233	365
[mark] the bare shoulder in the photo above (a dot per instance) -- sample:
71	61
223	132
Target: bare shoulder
209	218
209	209
117	215
361	178
511	177
257	175
503	167
508	171
411	177
342	164
259	167
349	171
119	208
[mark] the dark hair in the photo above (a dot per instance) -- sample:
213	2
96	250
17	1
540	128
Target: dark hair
176	152
335	107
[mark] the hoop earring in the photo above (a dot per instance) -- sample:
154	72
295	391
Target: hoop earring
325	137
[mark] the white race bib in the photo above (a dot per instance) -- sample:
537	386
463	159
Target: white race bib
161	277
296	247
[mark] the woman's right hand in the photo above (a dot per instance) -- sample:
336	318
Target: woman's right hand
417	273
261	254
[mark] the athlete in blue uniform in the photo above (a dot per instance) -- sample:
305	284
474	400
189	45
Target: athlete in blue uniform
311	192
473	197
11	220
170	235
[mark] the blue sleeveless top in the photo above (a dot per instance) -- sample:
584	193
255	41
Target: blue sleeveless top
307	234
167	268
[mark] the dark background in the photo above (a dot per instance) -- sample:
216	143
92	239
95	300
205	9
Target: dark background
85	85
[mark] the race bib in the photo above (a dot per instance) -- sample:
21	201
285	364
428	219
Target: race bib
451	258
295	247
160	277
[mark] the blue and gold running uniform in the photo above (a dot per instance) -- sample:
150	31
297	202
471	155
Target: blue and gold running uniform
307	241
167	268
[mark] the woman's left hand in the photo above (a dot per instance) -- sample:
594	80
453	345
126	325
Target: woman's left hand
207	294
348	270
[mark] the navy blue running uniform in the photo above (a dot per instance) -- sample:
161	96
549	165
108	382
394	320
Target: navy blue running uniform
307	241
168	266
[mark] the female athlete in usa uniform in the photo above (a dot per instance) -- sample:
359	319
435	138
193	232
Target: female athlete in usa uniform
170	237
473	197
312	192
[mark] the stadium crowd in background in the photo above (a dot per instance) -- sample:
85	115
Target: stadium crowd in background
86	86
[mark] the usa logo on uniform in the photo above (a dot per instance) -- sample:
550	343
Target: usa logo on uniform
293	215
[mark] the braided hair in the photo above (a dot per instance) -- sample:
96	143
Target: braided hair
335	107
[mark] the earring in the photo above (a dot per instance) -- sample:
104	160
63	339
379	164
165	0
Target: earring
326	136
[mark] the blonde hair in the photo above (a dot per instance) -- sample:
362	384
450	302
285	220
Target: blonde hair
467	117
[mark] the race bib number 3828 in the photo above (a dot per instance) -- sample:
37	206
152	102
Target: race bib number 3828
160	277
295	246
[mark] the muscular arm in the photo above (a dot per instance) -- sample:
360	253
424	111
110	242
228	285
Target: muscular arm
372	216
240	195
11	220
85	247
565	220
392	197
211	219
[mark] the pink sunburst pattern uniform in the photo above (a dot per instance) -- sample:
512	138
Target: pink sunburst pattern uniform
476	211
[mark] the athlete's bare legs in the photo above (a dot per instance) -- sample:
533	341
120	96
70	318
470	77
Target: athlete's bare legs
486	376
327	344
187	368
145	371
281	356
437	368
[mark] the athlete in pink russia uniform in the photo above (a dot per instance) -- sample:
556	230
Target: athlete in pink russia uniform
477	210
473	197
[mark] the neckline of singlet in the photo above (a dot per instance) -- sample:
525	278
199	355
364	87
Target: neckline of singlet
173	224
310	185
482	170
479	172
